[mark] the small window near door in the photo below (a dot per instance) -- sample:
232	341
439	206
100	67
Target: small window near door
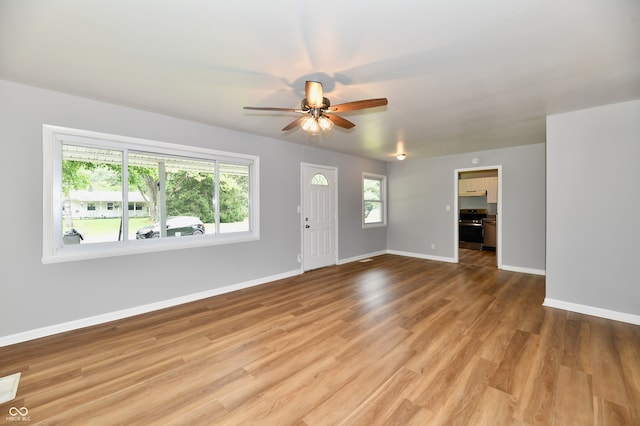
374	205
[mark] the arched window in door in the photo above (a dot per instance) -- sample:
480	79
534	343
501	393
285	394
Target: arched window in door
320	180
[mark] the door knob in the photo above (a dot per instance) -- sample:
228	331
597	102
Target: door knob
307	226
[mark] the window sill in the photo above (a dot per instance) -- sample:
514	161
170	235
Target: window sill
373	225
102	250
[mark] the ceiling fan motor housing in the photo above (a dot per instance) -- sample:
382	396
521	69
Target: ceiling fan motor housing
304	104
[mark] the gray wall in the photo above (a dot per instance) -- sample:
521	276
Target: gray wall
354	241
420	189
590	155
593	200
35	295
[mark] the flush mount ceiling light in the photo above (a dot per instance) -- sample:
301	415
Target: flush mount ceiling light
401	156
318	112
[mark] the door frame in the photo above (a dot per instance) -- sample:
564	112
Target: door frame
456	211
334	170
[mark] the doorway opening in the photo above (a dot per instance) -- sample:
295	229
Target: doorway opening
478	216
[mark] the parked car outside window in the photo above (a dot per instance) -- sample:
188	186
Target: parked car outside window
177	226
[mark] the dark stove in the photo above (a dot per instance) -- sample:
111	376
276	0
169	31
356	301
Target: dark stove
470	234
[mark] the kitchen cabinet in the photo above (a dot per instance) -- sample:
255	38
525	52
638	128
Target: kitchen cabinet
474	184
492	189
463	185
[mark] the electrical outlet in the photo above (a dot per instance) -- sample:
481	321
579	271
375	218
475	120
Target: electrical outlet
433	246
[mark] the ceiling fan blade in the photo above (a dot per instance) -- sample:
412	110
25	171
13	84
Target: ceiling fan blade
339	121
293	124
273	109
314	94
355	105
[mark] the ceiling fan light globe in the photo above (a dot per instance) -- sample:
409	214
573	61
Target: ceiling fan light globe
310	125
325	124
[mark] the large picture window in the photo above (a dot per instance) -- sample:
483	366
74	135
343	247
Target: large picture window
374	206
202	196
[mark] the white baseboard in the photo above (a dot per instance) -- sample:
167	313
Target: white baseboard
137	310
592	310
125	313
422	256
452	260
524	270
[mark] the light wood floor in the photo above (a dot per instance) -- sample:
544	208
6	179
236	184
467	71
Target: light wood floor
393	341
485	258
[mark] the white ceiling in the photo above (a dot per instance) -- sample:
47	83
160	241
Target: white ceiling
460	76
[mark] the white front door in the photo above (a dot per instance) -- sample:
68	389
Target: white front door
319	222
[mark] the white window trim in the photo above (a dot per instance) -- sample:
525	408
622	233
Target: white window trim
383	197
53	251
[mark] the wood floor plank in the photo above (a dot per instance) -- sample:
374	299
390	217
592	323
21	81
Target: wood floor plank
538	390
627	343
393	341
505	315
577	347
381	405
408	414
461	399
441	377
608	374
503	377
501	412
610	413
357	391
573	404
